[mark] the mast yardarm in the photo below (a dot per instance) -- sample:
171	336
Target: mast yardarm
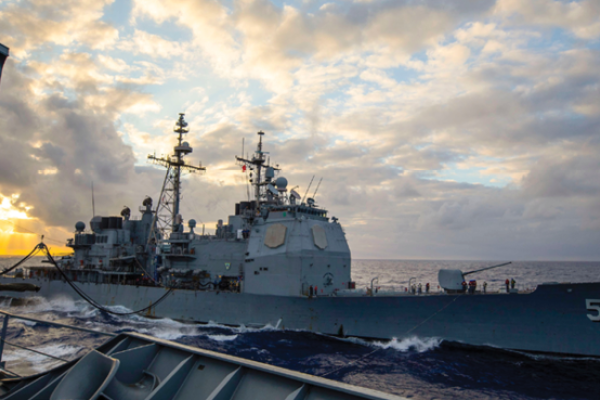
258	162
170	196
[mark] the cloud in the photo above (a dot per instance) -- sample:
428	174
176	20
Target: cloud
580	17
153	45
456	130
29	25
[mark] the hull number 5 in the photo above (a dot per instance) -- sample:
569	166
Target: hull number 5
594	306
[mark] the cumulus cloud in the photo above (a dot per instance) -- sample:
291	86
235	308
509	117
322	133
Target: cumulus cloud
28	25
454	130
582	18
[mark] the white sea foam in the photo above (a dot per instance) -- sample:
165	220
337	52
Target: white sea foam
58	303
222	338
414	343
24	360
242	328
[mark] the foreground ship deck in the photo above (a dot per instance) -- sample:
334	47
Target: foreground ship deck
135	366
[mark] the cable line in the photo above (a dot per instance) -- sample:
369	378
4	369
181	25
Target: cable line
27	257
87	298
382	348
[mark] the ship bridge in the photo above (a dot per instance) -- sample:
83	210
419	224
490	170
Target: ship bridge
296	211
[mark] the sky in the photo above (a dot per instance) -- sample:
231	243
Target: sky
441	130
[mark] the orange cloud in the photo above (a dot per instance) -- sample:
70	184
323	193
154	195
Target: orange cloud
19	233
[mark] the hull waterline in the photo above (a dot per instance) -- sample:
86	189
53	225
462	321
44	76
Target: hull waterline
555	318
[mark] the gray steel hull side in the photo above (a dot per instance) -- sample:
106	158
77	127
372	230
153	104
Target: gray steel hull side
551	319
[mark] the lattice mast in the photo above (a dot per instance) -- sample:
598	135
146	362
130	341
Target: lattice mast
170	196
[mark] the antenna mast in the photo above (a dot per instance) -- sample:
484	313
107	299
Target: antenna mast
93	205
258	161
170	196
307	189
317	189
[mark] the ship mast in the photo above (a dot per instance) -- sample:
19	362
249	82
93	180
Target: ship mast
258	161
170	196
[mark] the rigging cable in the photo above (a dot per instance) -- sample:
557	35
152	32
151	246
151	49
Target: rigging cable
87	298
27	257
381	348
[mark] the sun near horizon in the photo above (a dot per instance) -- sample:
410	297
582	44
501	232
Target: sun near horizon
16	236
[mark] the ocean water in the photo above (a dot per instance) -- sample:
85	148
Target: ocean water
418	368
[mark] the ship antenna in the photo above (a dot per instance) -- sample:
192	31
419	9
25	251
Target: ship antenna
307	189
93	205
246	171
317	189
258	161
171	192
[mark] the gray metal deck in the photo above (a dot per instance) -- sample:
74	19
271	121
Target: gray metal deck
134	367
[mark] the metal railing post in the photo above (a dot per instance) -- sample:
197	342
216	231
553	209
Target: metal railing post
4	329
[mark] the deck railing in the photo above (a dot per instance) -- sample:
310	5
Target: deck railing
8	316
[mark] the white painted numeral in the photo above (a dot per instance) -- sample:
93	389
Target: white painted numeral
593	305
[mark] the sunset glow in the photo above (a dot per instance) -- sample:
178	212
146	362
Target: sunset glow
453	130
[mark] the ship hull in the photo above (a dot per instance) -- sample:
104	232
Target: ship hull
555	318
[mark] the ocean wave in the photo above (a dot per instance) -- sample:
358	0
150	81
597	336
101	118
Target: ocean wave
222	338
242	328
20	359
413	343
61	303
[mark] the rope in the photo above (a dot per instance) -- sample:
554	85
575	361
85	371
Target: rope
91	301
351	362
407	332
35	351
431	316
27	257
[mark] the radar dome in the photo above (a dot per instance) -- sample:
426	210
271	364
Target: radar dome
80	226
185	144
192	223
281	183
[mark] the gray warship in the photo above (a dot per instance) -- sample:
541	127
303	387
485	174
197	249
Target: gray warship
280	260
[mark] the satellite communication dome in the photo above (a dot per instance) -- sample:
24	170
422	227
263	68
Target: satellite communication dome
185	144
192	223
80	226
281	183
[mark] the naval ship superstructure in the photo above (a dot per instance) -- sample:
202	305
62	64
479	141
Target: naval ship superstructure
274	244
279	260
